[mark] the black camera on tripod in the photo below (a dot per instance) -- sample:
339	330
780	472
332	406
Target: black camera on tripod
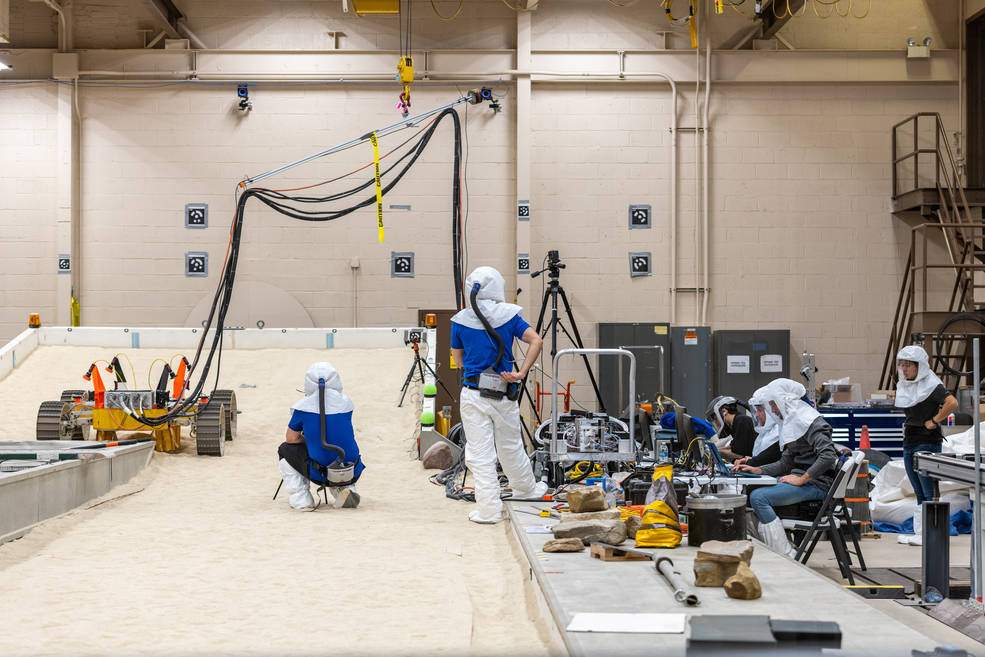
554	266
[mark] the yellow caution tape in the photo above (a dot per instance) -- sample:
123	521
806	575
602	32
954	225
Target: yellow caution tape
379	188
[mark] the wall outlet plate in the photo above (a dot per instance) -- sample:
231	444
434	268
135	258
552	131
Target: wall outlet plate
640	263
401	264
196	215
64	263
197	264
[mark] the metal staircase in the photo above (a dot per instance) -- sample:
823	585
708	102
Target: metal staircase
947	250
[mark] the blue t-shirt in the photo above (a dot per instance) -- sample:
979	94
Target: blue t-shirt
338	431
480	348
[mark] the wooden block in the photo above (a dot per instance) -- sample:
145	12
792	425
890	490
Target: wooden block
615	554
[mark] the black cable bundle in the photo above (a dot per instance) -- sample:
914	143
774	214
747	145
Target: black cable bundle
282	203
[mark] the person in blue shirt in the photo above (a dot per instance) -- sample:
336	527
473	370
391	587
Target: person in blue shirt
492	425
303	440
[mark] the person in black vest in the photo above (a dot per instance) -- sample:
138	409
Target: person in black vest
927	403
728	416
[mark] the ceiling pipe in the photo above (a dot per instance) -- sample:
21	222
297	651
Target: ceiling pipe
63	28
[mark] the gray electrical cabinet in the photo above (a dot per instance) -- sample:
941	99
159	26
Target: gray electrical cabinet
650	343
690	358
747	360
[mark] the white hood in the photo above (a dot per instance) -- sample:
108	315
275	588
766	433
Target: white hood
767	433
911	393
335	400
491	300
798	415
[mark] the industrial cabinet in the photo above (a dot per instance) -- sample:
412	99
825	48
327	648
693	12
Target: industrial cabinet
747	360
691	377
650	343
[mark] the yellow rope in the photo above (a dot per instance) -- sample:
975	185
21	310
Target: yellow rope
453	16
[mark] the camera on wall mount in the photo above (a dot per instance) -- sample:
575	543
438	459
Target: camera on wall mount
243	93
484	94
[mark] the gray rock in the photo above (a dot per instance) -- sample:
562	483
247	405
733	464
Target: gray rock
564	545
717	561
606	531
587	498
437	457
608	514
632	525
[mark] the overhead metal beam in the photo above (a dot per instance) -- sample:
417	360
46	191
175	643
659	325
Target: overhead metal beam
771	23
167	15
4	21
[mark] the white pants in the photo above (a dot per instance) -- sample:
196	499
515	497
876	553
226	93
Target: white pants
296	485
492	428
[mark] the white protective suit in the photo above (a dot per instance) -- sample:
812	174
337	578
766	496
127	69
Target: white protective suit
797	414
492	426
335	402
767	433
910	392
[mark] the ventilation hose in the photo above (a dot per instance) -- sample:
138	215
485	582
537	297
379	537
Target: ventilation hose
485	323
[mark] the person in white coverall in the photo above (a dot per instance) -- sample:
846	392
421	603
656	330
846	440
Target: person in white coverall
302	442
491	425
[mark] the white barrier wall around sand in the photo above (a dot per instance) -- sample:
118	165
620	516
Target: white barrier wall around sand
14	352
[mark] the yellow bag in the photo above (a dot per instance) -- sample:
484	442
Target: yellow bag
660	527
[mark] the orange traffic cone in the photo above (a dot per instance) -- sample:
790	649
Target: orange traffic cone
863	442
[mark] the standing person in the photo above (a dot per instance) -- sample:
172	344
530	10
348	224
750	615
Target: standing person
806	465
303	439
482	343
927	403
728	416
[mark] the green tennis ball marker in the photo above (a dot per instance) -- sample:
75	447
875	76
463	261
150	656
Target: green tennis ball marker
427	418
430	390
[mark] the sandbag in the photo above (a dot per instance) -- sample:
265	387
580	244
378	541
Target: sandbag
659	526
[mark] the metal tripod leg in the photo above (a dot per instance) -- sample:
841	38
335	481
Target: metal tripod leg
410	375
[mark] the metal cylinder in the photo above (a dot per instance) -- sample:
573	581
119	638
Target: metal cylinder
682	592
977	510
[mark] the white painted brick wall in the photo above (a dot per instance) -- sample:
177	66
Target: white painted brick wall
27	210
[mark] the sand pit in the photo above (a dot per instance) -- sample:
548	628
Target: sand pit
193	557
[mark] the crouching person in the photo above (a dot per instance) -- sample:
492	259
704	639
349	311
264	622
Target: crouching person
302	450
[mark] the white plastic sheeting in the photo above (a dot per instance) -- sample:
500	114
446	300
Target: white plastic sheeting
892	499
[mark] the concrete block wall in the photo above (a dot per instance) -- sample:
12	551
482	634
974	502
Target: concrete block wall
801	232
155	151
28	204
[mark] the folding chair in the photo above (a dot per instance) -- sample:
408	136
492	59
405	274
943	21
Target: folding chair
337	474
829	518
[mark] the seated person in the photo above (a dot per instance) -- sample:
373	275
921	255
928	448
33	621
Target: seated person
766	449
736	430
806	465
303	440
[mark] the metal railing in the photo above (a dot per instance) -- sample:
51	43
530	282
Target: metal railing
963	238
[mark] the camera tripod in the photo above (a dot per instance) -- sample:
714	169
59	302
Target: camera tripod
417	367
553	291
